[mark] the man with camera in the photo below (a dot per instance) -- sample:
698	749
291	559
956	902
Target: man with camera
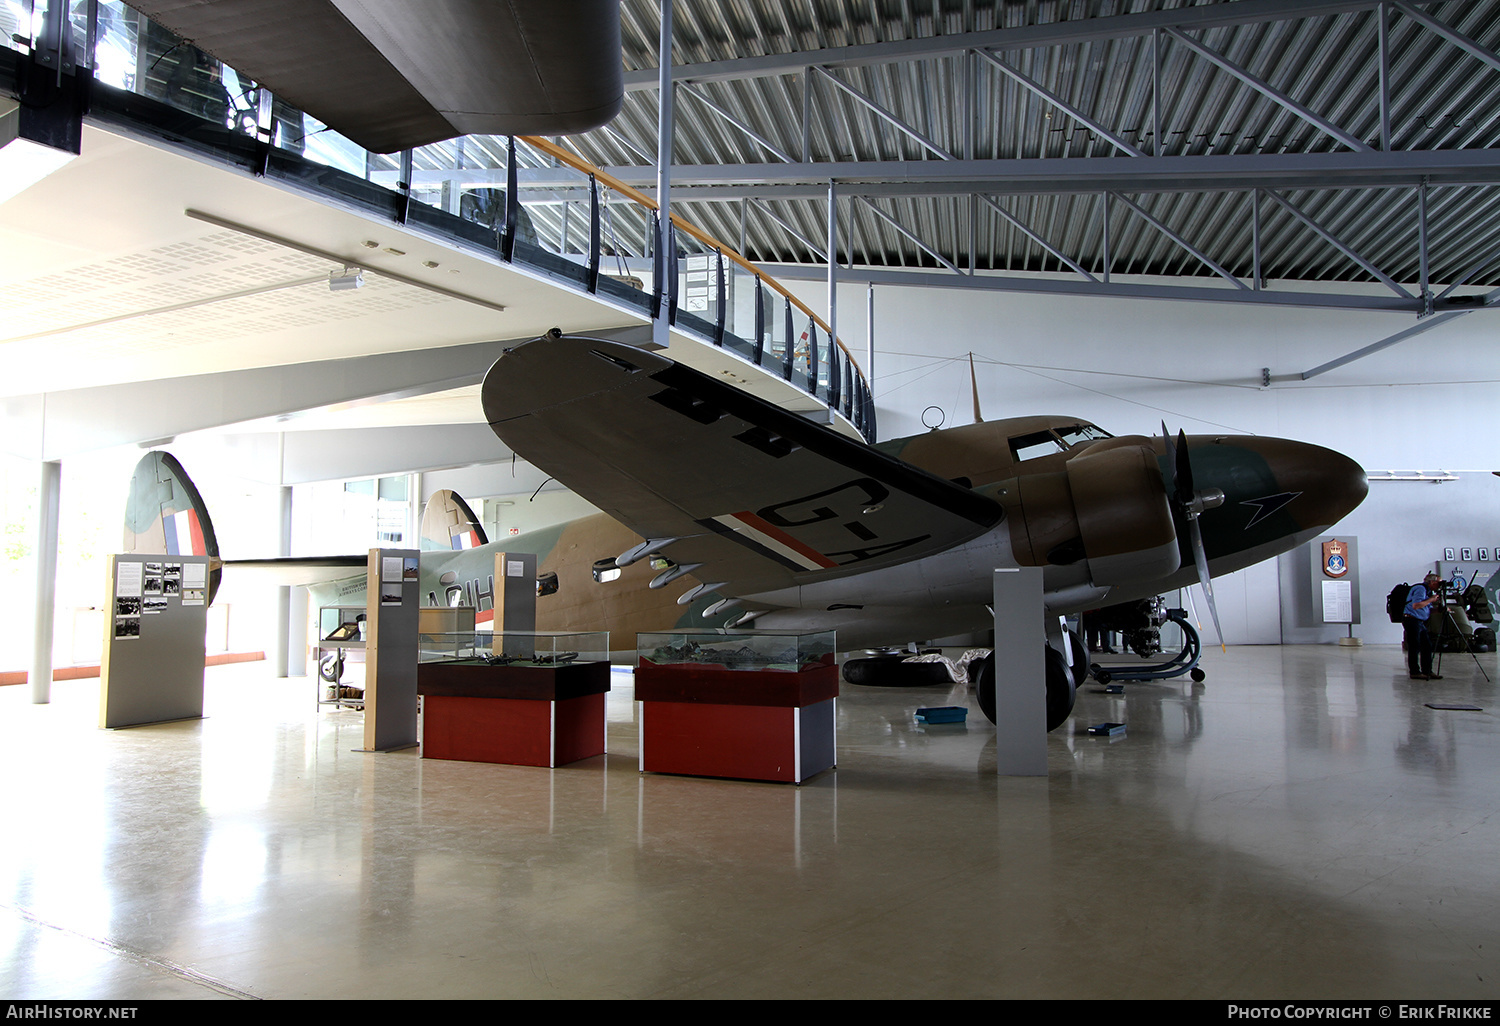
1419	602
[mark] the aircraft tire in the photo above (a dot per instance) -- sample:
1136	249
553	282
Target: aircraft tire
1080	660
1061	691
889	671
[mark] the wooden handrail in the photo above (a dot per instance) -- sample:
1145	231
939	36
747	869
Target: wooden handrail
577	163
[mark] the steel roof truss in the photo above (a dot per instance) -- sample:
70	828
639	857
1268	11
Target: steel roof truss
1338	244
701	97
909	235
1020	226
1061	104
895	122
1204	258
1267	90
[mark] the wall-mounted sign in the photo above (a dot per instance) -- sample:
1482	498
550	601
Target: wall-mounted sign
1335	558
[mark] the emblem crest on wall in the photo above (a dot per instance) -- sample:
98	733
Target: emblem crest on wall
1335	558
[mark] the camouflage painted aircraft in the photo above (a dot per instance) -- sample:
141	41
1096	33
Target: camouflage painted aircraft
788	524
724	509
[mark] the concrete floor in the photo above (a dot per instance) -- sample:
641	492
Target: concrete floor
1299	826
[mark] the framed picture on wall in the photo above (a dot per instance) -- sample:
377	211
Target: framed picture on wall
1484	554
1468	554
1448	555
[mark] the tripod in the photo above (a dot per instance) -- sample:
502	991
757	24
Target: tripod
1451	625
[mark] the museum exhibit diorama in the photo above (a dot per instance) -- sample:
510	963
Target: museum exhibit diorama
662	498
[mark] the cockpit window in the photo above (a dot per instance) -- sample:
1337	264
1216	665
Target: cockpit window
1071	436
1047	443
1040	443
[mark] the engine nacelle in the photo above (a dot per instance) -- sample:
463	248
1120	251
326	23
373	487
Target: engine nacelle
1124	516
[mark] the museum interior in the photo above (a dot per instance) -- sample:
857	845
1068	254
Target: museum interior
772	499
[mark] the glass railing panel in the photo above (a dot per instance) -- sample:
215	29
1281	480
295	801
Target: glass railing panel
625	247
698	282
556	204
115	38
322	145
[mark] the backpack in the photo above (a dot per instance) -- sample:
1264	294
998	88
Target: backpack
1395	602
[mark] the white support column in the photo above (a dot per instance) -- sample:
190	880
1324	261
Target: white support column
833	271
660	334
283	656
49	504
1020	673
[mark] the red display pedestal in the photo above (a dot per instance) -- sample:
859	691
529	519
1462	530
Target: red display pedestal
707	721
521	715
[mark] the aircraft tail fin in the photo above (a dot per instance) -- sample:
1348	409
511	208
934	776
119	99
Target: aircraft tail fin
448	524
165	515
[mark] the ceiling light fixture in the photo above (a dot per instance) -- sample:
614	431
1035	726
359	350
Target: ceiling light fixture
342	281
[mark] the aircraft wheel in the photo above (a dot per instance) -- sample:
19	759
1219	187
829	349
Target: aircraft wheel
1080	660
984	684
331	669
1061	689
1061	692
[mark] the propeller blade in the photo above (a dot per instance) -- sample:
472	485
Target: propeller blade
1183	471
1200	557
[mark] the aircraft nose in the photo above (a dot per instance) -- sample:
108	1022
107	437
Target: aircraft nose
1326	485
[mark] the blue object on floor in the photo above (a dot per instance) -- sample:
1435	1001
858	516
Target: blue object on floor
943	714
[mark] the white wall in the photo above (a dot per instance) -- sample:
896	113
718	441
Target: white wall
1128	365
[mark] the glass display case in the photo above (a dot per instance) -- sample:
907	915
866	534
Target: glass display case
514	648
727	649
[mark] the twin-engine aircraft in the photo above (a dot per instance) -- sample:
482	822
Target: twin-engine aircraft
722	509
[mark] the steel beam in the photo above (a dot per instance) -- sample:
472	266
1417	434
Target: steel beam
1063	175
1385	343
1058	33
1108	290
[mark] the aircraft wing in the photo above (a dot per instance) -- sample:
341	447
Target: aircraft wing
757	498
300	571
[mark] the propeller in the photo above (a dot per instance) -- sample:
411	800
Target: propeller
1191	503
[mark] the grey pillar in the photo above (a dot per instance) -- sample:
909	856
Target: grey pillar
49	503
1020	673
283	656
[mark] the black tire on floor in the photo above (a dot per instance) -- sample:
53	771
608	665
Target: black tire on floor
891	672
1061	692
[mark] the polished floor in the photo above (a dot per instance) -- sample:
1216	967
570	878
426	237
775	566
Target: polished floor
1301	825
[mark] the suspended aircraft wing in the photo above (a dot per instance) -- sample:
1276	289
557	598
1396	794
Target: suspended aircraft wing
745	496
300	571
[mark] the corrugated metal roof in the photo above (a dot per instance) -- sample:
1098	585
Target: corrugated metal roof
1440	98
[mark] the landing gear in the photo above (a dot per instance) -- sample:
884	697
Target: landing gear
1062	684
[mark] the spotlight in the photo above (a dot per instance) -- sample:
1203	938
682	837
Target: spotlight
349	278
